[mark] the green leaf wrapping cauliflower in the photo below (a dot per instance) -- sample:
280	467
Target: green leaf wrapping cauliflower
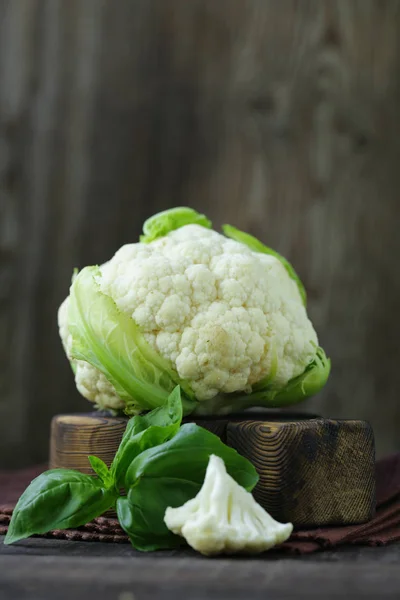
223	318
224	518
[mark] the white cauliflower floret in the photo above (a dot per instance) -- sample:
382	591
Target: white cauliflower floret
225	518
220	313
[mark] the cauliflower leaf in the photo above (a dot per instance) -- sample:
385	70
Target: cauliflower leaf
168	220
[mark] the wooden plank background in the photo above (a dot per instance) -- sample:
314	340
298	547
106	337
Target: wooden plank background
281	117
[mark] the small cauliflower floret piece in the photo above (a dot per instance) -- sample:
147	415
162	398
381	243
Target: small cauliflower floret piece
224	518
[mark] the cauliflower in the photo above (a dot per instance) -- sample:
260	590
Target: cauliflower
225	518
216	316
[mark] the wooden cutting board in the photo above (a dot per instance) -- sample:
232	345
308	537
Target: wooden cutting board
313	471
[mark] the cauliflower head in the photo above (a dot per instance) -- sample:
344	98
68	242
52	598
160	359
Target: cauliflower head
224	320
225	518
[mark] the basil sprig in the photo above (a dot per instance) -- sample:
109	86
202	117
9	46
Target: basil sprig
159	463
169	475
145	432
58	499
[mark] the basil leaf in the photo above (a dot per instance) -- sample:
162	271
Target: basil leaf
169	414
146	431
186	456
58	499
140	532
170	475
133	427
142	441
101	470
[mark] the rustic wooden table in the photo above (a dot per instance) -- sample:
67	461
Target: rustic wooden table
40	569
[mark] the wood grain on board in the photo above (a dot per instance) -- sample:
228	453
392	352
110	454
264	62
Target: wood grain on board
312	472
282	118
75	437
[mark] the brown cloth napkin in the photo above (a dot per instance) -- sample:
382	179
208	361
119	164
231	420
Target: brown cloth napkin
382	529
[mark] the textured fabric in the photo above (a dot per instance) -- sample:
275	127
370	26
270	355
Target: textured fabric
382	529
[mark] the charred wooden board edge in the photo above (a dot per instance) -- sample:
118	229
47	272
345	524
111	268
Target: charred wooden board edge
313	471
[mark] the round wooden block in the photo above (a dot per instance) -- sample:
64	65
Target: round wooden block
313	471
75	437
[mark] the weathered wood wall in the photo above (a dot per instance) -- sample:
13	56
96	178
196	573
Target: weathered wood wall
282	117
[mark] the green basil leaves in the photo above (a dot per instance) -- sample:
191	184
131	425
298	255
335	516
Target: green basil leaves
159	463
58	499
146	431
169	475
101	470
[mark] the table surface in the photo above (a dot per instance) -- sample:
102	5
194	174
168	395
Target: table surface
46	569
